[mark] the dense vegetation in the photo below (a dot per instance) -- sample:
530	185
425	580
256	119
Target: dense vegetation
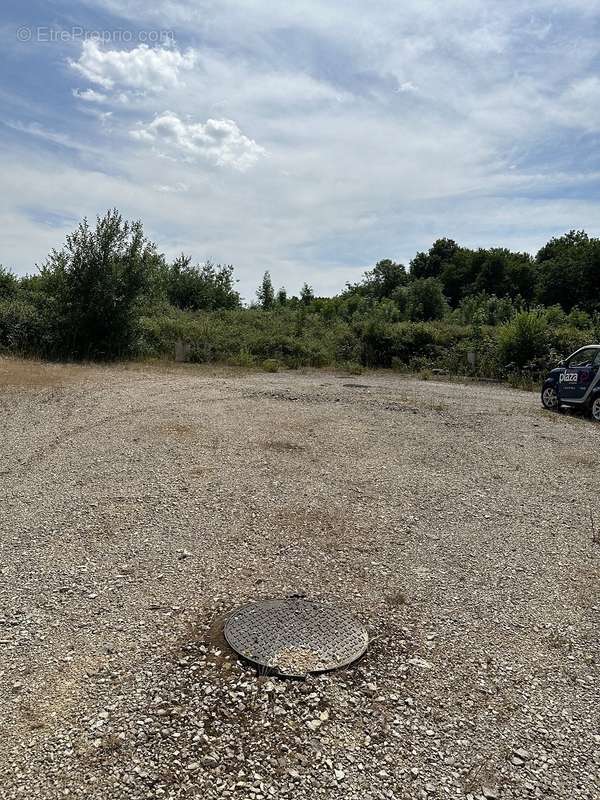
109	293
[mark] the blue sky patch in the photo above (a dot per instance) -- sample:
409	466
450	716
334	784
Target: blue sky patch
300	138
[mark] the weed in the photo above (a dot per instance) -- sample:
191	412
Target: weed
270	365
244	359
354	368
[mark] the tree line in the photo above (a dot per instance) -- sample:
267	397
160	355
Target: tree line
108	290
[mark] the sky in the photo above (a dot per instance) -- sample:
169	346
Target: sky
308	138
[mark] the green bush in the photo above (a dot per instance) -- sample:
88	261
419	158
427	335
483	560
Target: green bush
243	359
270	365
95	283
353	368
19	326
9	284
425	300
524	339
566	339
206	286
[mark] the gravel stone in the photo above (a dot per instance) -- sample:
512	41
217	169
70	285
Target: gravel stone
140	505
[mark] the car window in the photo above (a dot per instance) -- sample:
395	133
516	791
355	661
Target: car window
585	358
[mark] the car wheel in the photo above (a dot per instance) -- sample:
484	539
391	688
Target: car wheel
550	399
595	409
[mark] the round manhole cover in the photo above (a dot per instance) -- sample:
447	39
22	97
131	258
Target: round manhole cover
295	637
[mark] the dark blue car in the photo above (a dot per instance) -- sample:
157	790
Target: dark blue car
575	382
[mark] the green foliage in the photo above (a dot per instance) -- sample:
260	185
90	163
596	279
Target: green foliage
241	359
524	339
565	339
465	272
425	300
569	272
21	327
281	298
383	281
8	284
353	368
195	288
94	282
265	292
486	309
306	295
431	264
108	293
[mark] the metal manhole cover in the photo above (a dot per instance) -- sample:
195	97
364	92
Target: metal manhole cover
295	637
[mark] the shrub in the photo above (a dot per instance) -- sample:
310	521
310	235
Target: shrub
524	339
244	359
566	339
8	284
207	287
353	368
95	282
425	300
270	365
19	326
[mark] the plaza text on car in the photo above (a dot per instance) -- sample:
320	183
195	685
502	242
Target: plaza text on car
575	382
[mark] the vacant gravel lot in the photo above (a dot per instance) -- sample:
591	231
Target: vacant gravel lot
139	505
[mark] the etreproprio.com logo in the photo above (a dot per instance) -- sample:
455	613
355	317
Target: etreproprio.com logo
42	33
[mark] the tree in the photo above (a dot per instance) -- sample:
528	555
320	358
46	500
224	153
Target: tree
521	276
489	266
503	273
457	276
431	264
425	300
569	272
282	297
306	295
207	287
95	281
383	281
265	292
8	284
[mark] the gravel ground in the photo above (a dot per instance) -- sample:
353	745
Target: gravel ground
140	505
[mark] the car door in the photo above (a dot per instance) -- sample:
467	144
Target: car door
580	371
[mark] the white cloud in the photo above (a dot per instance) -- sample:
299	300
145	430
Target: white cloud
90	96
171	189
146	69
386	125
217	140
54	137
407	86
579	105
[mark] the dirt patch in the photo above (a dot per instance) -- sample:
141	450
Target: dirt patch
24	373
579	458
178	430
